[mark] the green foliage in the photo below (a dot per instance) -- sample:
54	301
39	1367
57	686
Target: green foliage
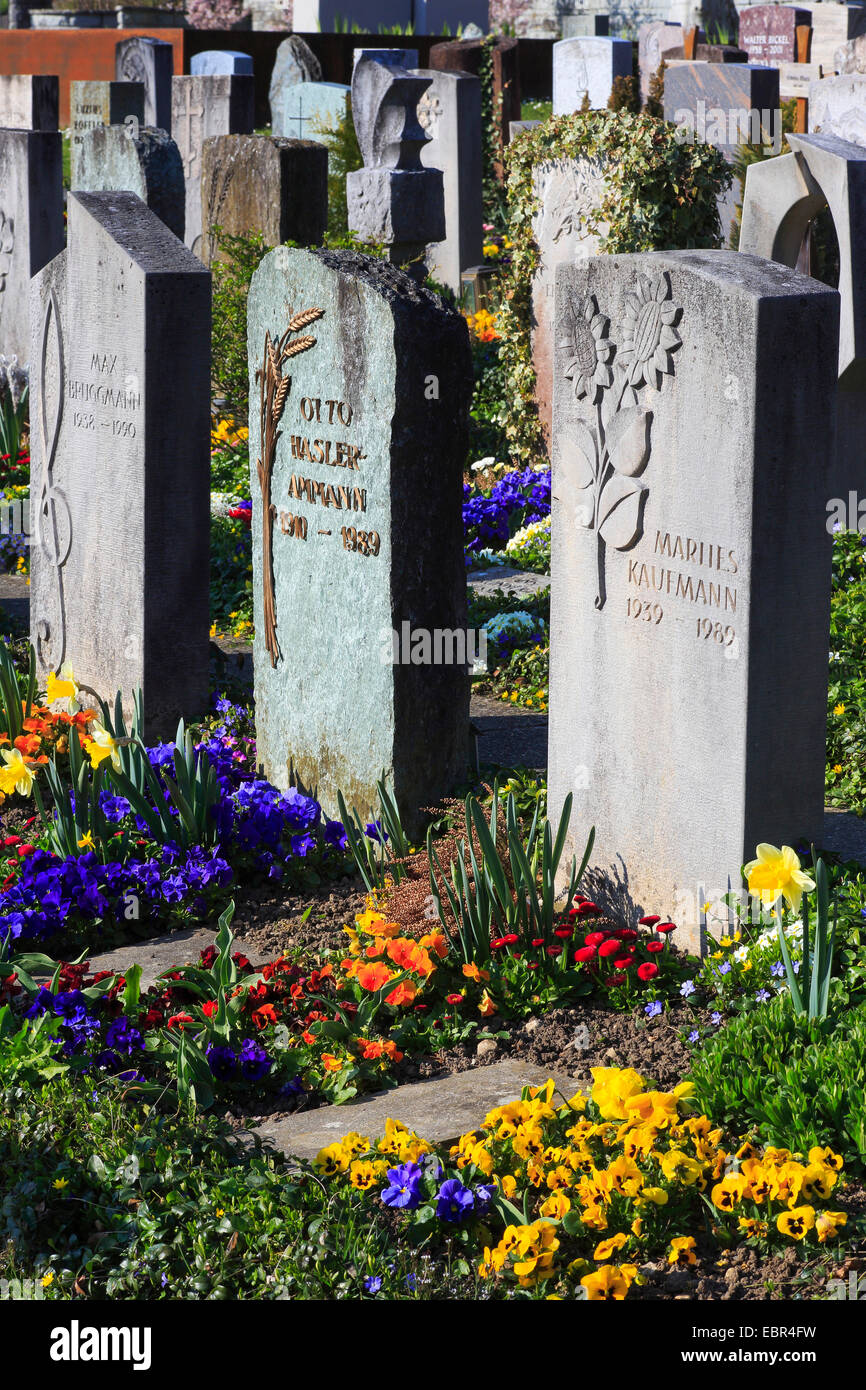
492	189
625	95
193	792
660	194
796	1081
495	892
655	102
846	717
377	856
232	273
13	422
486	435
17	692
344	156
810	989
231	575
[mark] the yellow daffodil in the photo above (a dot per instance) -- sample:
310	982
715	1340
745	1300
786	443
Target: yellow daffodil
86	841
48	1279
61	685
775	873
101	745
16	776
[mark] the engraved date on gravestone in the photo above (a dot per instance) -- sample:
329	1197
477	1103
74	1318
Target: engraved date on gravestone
105	406
335	454
709	588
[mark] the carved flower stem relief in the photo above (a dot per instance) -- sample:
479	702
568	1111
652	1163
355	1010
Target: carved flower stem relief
603	463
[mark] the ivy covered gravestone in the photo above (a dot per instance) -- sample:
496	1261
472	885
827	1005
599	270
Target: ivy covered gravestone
359	397
690	477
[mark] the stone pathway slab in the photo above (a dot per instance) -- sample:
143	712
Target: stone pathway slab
439	1110
163	953
517	582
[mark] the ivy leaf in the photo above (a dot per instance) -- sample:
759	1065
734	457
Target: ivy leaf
578	454
628	440
620	510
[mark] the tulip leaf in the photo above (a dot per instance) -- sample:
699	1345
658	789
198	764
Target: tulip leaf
620	511
578	456
628	440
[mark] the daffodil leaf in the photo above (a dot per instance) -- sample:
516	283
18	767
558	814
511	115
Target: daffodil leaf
578	456
620	511
628	440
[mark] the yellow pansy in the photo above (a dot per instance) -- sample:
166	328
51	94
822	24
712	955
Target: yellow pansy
607	1248
612	1087
796	1222
776	873
682	1251
827	1223
611	1281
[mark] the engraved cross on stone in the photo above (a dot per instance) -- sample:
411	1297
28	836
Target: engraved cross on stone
191	153
299	118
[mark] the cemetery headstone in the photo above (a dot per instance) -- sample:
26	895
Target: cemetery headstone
120	394
449	113
837	106
568	191
310	110
220	62
655	40
850	57
203	107
29	103
359	395
584	67
31	225
725	104
254	183
150	61
390	57
148	165
393	199
832	26
689	503
100	103
295	62
768	33
466	55
579	26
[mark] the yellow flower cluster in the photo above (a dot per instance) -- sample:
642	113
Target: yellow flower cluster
398	1145
227	434
483	325
538	700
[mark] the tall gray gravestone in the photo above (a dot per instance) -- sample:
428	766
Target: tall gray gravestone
93	104
253	183
202	107
693	427
29	103
148	165
312	110
655	40
120	445
220	62
150	62
359	393
587	67
295	62
31	225
449	113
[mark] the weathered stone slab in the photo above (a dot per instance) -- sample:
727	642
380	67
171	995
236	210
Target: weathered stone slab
312	110
151	62
120	401
679	535
837	106
295	62
590	67
29	103
220	62
149	165
578	26
655	40
468	55
93	104
365	532
768	33
202	107
450	115
851	56
161	953
31	225
439	1110
389	57
255	183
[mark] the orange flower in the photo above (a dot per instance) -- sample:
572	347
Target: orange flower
350	966
435	941
370	1051
403	994
373	977
326	971
384	928
408	955
29	744
391	1050
474	972
373	951
308	1037
487	1006
331	1063
264	1015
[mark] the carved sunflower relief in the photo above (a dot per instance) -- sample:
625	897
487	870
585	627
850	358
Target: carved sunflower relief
603	462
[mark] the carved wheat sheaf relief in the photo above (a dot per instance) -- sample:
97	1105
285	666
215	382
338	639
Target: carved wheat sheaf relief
274	388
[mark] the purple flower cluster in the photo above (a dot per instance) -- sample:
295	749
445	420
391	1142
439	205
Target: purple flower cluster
516	499
85	1026
251	1063
454	1201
